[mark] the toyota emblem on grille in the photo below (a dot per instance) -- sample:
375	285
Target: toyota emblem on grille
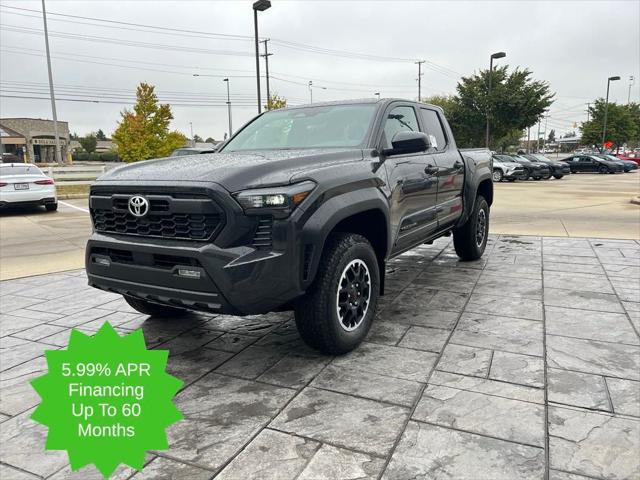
138	206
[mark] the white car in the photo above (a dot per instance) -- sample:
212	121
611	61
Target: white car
23	184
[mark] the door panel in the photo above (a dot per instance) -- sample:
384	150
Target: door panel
412	183
450	169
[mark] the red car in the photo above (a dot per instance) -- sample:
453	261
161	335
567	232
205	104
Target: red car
634	157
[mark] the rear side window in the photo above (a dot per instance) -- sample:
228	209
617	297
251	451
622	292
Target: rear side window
399	119
434	129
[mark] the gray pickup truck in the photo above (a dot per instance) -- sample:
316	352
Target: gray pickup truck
300	209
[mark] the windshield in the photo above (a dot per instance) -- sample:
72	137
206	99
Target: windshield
309	127
520	159
19	170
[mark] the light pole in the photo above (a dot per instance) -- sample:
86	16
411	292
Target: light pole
632	82
311	87
53	97
226	80
192	139
496	56
377	94
259	6
606	109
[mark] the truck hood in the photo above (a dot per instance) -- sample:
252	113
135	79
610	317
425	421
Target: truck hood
235	170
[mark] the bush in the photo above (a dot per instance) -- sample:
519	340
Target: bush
95	157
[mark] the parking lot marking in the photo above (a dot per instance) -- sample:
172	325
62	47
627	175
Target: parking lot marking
73	206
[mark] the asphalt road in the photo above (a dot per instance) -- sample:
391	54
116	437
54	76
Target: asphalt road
33	241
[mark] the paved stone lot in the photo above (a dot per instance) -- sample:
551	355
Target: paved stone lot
523	365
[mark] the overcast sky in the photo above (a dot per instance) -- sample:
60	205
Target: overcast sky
574	45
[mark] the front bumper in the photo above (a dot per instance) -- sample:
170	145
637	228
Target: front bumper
514	174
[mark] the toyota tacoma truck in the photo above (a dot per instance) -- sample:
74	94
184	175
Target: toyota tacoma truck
299	210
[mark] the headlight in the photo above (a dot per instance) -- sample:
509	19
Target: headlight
279	201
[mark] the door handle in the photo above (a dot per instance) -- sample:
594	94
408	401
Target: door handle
430	170
458	165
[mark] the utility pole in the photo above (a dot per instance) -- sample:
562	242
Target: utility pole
419	63
226	80
193	141
588	112
266	67
544	135
53	97
528	139
538	138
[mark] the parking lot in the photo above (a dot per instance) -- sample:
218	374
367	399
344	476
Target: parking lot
521	365
581	205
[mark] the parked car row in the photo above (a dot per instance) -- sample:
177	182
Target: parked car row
597	163
526	166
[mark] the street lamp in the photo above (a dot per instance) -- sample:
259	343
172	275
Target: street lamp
192	139
606	108
496	56
311	87
632	82
226	80
259	6
377	94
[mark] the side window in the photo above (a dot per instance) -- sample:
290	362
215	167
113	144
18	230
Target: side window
398	120
434	129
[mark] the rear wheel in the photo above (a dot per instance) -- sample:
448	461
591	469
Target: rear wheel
155	309
470	239
558	177
336	313
603	169
497	175
547	176
51	207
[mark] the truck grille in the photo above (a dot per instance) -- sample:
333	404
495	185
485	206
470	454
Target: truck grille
171	216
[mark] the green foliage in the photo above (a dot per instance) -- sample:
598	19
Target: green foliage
552	136
100	135
515	103
197	138
144	132
623	124
89	143
448	103
96	157
274	102
210	140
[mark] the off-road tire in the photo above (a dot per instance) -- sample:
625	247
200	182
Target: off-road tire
465	237
497	175
155	309
316	312
51	207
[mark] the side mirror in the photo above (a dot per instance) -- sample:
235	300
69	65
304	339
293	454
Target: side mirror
408	142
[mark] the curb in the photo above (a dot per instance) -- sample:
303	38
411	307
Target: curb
70	196
636	200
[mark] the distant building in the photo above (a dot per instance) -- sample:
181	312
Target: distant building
102	146
35	138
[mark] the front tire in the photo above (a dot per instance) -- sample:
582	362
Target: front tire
51	207
497	175
336	313
470	239
155	309
558	177
603	169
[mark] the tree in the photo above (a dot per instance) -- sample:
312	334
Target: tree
100	135
74	136
89	143
144	132
621	127
210	140
197	138
552	136
448	103
275	102
516	103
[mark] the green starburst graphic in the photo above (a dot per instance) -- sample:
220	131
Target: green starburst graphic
106	400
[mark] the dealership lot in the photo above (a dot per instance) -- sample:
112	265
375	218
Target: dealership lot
581	205
523	363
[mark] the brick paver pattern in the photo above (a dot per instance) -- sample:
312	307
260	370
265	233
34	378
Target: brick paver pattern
522	365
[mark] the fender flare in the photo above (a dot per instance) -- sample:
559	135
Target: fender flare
334	210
